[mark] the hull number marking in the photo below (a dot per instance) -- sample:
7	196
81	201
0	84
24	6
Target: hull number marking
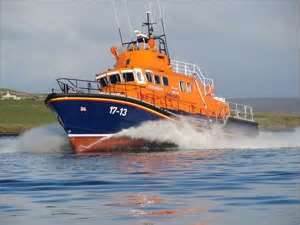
83	109
115	110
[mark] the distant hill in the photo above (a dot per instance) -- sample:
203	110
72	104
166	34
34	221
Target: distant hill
281	105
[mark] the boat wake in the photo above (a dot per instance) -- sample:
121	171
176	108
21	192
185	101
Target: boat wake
183	134
186	136
43	139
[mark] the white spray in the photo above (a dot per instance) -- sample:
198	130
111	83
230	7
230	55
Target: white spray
186	136
52	139
49	138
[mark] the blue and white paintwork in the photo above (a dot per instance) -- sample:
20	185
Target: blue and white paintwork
86	116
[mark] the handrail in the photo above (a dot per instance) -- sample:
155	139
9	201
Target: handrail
241	111
190	69
71	85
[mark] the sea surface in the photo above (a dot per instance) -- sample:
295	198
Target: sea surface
43	182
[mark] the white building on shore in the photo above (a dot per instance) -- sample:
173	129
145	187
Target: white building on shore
9	96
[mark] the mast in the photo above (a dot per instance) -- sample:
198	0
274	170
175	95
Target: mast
149	24
162	40
117	21
164	36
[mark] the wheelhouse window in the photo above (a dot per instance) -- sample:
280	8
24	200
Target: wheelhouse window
165	81
157	79
149	76
139	76
189	87
182	85
103	81
128	76
115	78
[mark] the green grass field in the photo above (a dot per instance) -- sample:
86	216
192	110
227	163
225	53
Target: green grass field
277	121
17	116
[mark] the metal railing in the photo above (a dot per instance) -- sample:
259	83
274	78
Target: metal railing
241	111
69	85
143	94
190	69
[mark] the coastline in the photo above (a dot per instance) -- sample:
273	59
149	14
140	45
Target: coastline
268	121
17	117
277	121
9	134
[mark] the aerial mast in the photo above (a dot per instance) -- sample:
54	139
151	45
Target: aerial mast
117	21
149	24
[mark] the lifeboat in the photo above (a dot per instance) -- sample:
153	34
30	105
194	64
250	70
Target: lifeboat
145	84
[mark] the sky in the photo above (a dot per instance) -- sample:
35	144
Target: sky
251	48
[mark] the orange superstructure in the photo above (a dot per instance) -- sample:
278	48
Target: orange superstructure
145	71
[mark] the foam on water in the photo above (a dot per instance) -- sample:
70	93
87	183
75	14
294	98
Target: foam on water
43	139
52	139
186	136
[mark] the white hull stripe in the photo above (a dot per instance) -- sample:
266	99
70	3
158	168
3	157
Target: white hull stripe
90	135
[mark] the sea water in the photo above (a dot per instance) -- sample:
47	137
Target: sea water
209	179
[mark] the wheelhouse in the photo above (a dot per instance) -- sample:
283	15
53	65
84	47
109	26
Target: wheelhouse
135	76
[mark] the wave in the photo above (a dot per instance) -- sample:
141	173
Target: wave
43	139
185	135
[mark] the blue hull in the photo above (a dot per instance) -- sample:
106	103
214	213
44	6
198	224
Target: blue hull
89	119
101	115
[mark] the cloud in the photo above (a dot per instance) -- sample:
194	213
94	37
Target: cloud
255	42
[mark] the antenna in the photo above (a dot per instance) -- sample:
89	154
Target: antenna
116	14
120	34
159	8
149	24
163	27
128	18
117	20
150	6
